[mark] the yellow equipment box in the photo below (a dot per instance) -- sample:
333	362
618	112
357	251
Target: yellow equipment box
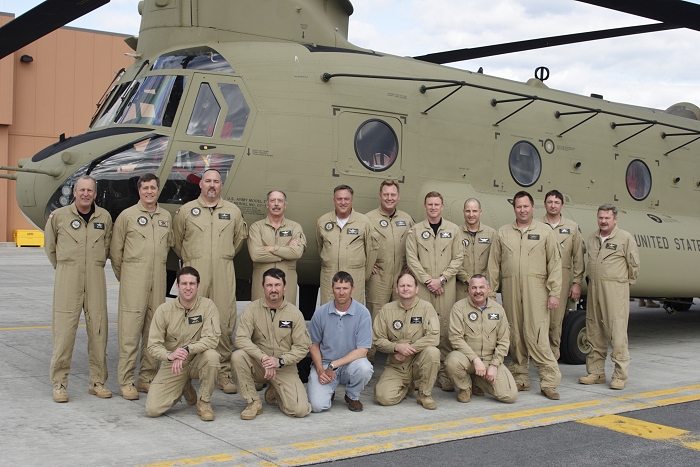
29	238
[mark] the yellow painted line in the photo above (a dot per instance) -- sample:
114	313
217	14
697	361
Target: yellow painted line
544	410
193	461
678	400
45	326
645	430
341	454
662	392
472	432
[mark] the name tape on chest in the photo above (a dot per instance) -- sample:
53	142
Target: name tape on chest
485	240
142	220
533	236
473	316
383	223
75	224
611	246
98	225
565	231
226	217
400	223
494	316
416	320
285	324
353	231
285	233
445	234
397	324
163	224
196	211
194	319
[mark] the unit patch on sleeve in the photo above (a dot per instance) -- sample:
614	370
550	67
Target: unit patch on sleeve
285	233
416	320
397	324
142	220
226	217
99	225
533	236
194	319
473	316
445	234
285	324
494	316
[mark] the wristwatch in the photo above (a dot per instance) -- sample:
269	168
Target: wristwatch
186	348
331	367
443	281
281	361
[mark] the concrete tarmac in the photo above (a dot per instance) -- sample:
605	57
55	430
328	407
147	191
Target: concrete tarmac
90	431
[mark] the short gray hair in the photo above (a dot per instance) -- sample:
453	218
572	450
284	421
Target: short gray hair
608	207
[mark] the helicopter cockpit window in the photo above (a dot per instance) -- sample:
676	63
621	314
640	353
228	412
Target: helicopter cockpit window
638	180
110	108
203	58
237	112
525	163
206	111
154	101
182	185
117	175
376	145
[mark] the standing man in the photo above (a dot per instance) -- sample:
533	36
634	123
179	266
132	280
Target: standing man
526	263
275	242
571	245
341	335
208	232
613	265
391	228
434	254
476	240
271	339
77	240
479	335
345	243
407	329
139	252
183	336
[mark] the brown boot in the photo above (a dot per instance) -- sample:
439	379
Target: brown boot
411	389
143	386
550	393
270	395
444	383
522	387
190	394
204	411
476	390
464	395
254	409
426	401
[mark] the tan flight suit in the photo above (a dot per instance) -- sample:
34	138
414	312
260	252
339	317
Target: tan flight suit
352	249
611	269
139	253
391	257
527	266
419	326
429	256
263	332
484	334
262	234
572	248
208	239
173	327
78	251
476	256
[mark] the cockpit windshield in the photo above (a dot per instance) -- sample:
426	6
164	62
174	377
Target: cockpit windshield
151	101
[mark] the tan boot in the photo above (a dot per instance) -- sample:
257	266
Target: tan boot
550	393
99	390
592	379
464	395
143	386
522	387
226	385
270	395
129	392
641	303
205	411
618	384
444	383
254	409
60	395
426	401
190	394
476	390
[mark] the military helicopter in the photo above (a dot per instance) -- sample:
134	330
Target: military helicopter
273	95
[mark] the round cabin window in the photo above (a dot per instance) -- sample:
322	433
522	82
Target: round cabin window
638	179
525	164
376	145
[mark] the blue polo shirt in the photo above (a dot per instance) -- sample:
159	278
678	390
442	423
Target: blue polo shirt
339	335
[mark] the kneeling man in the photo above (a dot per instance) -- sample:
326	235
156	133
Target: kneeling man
183	336
409	331
341	335
271	339
479	335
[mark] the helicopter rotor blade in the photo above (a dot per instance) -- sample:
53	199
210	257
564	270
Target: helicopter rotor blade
458	55
41	20
678	12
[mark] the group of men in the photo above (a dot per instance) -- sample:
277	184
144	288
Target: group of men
429	288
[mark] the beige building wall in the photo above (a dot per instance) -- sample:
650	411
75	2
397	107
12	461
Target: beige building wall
55	93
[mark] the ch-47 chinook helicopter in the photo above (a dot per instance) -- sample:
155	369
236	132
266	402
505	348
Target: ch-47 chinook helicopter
272	94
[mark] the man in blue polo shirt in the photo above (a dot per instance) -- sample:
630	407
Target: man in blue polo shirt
341	335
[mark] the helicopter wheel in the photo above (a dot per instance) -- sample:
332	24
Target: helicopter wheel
574	345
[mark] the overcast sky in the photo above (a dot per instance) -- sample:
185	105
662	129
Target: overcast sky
654	70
